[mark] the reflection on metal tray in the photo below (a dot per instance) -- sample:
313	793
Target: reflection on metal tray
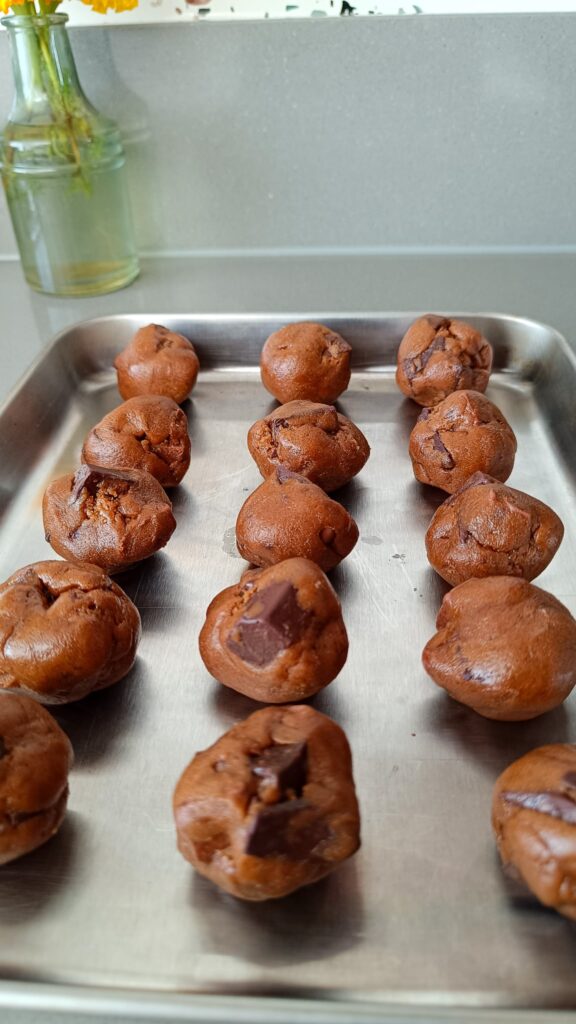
108	914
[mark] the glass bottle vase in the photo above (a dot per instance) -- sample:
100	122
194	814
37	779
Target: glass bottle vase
62	166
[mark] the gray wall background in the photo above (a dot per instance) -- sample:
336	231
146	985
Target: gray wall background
367	134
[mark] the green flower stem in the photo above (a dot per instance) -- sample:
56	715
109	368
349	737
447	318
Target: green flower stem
70	123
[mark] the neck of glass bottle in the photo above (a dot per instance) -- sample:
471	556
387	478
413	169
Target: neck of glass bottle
43	65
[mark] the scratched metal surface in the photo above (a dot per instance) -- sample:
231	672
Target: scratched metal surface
422	915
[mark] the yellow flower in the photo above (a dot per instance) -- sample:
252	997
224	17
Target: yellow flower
5	5
102	6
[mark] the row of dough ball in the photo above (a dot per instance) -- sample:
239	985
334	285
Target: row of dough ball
504	647
271	806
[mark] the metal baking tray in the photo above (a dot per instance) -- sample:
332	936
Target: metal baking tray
421	924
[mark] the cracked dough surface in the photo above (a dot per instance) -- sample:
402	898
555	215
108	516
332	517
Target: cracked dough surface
148	432
490	529
464	434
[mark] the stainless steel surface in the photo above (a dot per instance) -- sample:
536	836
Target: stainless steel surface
422	917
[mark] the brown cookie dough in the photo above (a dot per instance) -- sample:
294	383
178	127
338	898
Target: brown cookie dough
271	805
276	636
111	518
157	362
65	630
504	647
289	517
148	432
311	439
35	758
489	529
534	821
464	434
305	361
438	356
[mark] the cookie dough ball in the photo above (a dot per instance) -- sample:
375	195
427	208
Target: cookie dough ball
149	433
311	439
271	805
109	517
157	362
65	630
276	636
438	356
489	529
504	648
464	434
305	361
289	517
35	758
534	821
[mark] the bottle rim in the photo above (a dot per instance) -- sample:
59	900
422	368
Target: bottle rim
31	21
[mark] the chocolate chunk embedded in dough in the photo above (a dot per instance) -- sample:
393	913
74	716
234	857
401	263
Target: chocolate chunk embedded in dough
273	620
277	635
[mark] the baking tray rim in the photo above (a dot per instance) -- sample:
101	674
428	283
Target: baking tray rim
252	1008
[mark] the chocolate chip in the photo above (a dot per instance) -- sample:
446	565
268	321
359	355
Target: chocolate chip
3	748
569	778
557	805
323	416
409	368
275	833
282	767
423	415
438	345
89	477
328	535
439	446
272	621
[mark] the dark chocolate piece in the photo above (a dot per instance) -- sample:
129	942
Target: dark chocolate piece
557	805
282	767
439	446
438	345
311	416
3	748
272	621
274	833
570	779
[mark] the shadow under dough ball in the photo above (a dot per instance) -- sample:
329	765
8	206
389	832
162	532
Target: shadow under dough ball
534	821
112	518
504	648
277	635
65	630
157	362
149	433
463	435
305	361
35	759
438	356
289	517
489	529
311	439
271	805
